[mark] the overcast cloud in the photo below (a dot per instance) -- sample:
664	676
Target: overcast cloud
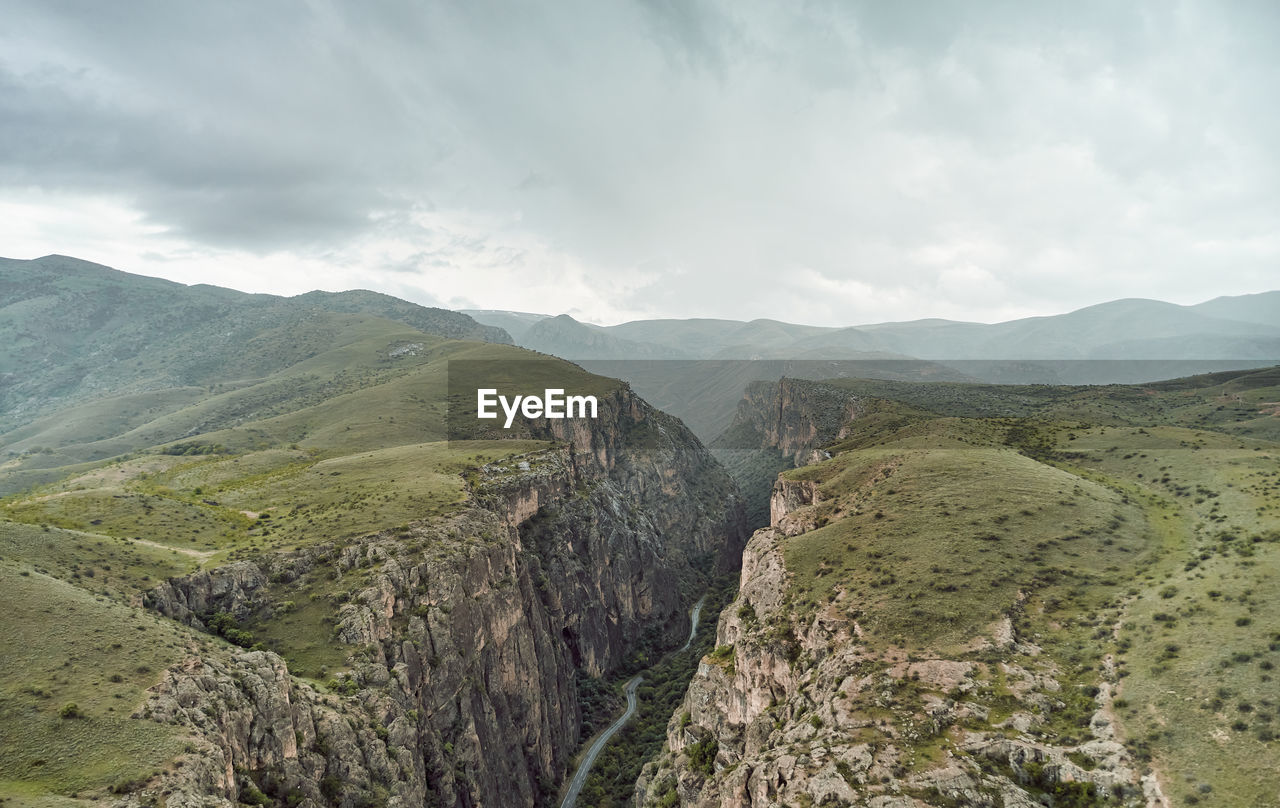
829	163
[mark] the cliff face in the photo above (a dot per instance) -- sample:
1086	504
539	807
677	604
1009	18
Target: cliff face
801	705
792	416
803	713
466	636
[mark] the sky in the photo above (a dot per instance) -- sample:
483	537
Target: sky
824	163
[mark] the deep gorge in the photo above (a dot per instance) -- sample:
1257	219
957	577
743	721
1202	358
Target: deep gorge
577	561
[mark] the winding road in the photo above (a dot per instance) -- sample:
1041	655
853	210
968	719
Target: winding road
588	760
693	621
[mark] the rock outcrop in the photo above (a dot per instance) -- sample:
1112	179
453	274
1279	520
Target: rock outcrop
793	416
802	712
231	589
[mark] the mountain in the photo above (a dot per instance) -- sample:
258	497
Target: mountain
514	323
441	322
1122	341
650	339
72	331
565	337
722	339
1261	308
1120	329
1246	327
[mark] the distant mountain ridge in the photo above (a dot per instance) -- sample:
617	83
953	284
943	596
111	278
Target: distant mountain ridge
566	337
704	365
1239	327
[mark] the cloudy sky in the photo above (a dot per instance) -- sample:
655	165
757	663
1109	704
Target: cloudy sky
828	163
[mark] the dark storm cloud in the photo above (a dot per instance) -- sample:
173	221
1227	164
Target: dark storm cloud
860	160
238	124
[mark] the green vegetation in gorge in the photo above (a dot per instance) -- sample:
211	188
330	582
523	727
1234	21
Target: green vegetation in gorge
612	781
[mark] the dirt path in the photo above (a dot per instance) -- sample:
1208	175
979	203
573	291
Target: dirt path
203	555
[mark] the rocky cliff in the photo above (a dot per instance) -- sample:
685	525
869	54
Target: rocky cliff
466	637
804	704
803	713
792	416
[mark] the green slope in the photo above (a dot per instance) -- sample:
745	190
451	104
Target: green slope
73	667
1137	527
72	331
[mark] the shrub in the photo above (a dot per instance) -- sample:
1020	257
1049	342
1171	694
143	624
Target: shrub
331	786
703	755
70	710
250	795
346	686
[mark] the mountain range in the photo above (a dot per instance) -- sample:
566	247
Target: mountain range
1237	327
242	561
698	369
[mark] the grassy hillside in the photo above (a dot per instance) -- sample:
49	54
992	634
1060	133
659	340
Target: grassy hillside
115	567
1198	634
1131	533
73	332
343	443
73	667
931	559
363	382
1240	402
